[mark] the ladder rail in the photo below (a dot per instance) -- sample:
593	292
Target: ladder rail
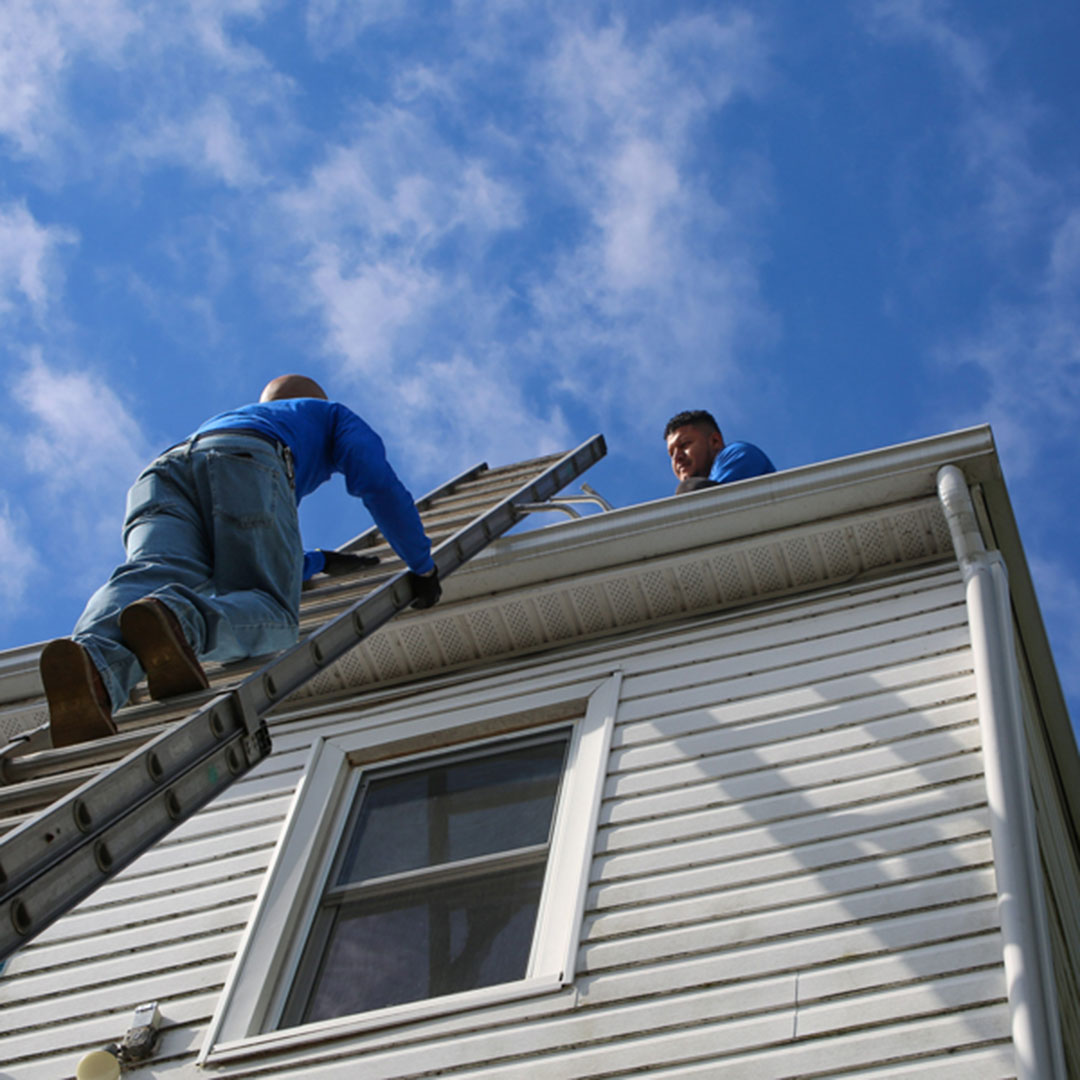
50	863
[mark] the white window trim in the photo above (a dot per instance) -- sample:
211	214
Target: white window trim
255	988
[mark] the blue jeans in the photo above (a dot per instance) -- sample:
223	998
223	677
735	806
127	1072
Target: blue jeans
212	531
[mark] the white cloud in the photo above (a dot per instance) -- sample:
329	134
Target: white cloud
665	271
27	259
18	560
207	139
72	448
39	40
81	438
335	24
181	87
466	407
367	307
382	228
393	232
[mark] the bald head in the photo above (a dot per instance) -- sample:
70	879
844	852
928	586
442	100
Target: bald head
292	386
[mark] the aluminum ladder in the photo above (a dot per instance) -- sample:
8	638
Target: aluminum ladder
51	862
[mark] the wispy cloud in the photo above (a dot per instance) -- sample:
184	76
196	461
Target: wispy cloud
80	437
18	561
39	41
184	86
75	446
666	264
28	251
411	233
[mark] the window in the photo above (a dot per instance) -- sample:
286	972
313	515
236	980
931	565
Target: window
435	859
436	884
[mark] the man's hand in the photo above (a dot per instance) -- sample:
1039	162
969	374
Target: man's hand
427	589
340	562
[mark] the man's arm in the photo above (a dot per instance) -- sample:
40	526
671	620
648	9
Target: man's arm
360	455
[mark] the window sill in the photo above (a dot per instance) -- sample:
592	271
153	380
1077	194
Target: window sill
296	1038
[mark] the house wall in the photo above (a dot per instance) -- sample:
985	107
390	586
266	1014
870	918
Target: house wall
1058	847
792	875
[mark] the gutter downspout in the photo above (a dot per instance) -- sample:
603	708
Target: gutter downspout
1021	906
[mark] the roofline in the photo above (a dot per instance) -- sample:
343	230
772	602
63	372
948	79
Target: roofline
732	511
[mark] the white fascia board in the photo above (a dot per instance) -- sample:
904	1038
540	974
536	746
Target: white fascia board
750	507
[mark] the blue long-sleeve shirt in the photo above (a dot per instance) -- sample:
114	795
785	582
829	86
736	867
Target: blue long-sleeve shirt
739	461
325	438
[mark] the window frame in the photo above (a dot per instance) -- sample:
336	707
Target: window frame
265	965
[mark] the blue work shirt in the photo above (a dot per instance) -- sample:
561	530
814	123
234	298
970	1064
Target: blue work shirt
325	438
739	461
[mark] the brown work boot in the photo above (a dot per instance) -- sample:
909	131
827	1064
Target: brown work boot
79	706
153	633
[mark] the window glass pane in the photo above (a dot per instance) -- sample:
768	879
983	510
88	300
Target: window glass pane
452	811
425	943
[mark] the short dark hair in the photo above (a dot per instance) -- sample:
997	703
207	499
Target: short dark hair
697	417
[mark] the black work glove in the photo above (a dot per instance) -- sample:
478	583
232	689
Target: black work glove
694	483
427	589
341	562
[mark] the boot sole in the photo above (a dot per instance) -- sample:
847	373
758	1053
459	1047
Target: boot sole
75	714
170	665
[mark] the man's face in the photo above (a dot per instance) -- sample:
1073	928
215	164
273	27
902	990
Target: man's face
692	450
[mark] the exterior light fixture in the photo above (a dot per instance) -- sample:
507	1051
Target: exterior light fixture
137	1045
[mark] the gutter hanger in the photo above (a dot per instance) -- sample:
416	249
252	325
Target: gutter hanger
1021	904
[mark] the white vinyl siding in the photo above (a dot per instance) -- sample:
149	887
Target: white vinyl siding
792	873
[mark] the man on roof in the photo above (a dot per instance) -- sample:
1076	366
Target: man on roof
700	457
214	562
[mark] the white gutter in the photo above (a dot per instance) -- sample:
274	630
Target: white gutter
1021	905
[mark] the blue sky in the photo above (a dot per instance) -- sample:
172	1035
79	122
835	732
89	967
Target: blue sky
495	228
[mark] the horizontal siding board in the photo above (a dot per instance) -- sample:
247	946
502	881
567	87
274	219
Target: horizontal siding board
102	978
860	705
795	889
185	880
749	783
874	938
757	1047
761	653
786	861
714	743
946	995
645	809
696	813
142	927
817	834
900	1051
786	669
843	690
43	1030
987	1063
956	888
206	849
855	977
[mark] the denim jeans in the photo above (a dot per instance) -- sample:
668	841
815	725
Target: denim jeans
212	531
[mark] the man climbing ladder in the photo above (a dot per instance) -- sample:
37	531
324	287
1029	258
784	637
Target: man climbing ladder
214	562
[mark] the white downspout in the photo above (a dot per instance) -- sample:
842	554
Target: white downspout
1028	967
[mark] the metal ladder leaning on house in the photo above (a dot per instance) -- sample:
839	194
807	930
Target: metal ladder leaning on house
51	862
